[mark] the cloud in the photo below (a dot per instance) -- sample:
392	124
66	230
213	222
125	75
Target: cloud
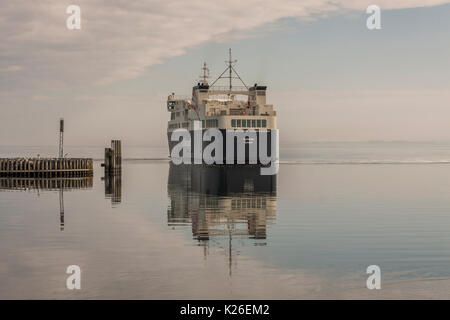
120	39
11	68
47	71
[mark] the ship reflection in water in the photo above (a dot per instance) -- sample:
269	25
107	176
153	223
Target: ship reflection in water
47	184
222	204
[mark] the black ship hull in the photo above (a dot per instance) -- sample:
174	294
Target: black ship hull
221	180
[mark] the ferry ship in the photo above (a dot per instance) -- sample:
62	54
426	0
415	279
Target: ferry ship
229	109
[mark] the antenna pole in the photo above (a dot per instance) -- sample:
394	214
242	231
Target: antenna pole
61	138
230	67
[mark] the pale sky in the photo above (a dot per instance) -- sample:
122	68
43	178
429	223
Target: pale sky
328	76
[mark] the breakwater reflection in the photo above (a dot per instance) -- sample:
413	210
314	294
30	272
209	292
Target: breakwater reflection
45	184
48	184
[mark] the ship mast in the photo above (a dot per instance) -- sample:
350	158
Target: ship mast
230	69
205	75
230	66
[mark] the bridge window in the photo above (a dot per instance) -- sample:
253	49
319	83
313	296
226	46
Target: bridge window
211	123
242	123
174	126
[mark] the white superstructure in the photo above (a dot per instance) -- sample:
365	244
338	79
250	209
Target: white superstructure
222	107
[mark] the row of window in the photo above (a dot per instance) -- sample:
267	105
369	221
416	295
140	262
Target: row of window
174	115
235	123
210	123
177	125
249	123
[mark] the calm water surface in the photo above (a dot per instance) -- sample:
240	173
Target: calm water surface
162	232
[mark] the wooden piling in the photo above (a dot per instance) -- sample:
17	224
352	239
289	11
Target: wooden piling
113	158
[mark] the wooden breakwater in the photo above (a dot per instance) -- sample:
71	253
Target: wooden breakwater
46	167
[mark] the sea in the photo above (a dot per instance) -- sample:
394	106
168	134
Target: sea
159	231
